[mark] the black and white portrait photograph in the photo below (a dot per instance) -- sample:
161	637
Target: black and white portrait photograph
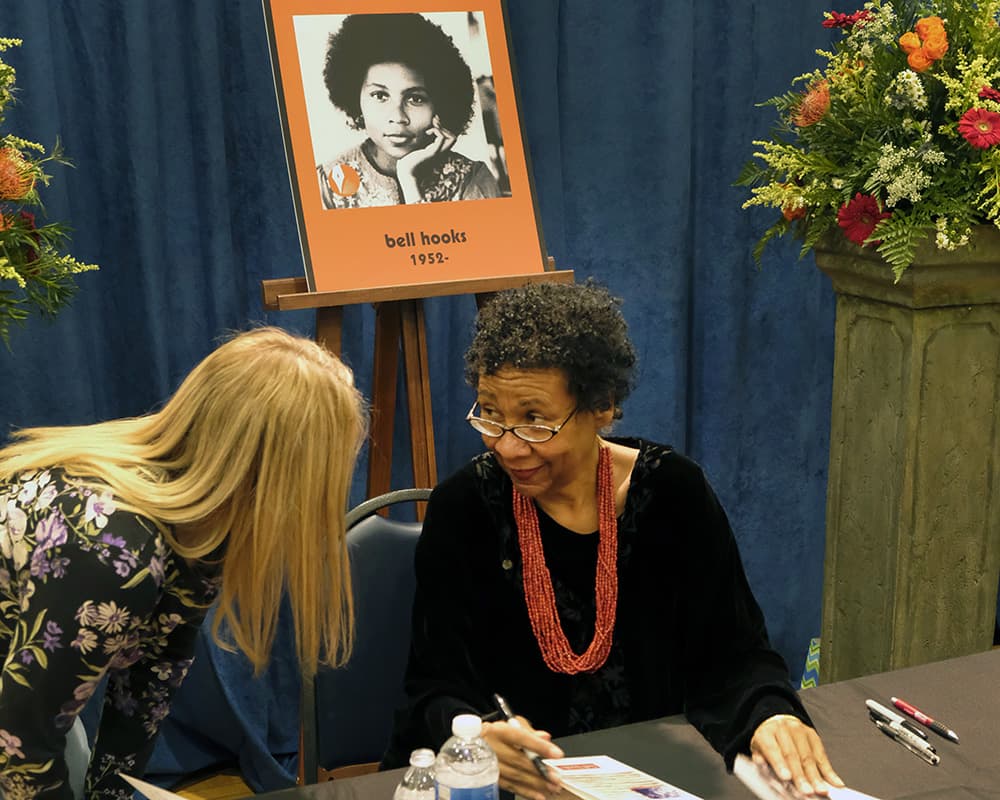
401	108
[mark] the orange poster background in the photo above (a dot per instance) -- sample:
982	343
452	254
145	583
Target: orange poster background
346	249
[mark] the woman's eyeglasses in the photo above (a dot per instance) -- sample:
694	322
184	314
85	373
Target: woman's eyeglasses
528	433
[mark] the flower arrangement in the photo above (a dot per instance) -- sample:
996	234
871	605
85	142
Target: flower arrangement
34	275
896	139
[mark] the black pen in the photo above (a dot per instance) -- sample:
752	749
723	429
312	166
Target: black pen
511	720
913	745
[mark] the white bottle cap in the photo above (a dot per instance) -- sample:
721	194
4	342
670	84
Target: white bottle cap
423	757
466	726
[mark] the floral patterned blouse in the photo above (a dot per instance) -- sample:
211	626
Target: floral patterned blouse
87	590
446	177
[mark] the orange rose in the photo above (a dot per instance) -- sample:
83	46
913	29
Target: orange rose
918	61
935	45
909	42
927	45
928	26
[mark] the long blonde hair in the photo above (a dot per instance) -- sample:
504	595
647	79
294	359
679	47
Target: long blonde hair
255	451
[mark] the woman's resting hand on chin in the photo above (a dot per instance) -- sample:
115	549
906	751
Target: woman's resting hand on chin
440	140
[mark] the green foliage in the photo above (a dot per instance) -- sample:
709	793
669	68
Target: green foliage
889	117
35	275
898	237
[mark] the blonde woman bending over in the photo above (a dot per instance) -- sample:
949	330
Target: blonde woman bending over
115	537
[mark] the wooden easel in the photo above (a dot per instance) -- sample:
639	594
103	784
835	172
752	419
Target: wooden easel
399	316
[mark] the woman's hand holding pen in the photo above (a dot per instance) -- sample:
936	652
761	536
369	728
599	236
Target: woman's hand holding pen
440	140
795	753
517	772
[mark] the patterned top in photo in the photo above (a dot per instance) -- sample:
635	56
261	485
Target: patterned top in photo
353	181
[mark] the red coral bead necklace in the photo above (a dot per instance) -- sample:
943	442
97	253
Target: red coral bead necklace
538	592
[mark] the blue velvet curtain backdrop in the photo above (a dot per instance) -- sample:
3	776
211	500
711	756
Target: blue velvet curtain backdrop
638	117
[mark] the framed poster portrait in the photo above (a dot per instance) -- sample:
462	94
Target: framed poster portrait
404	141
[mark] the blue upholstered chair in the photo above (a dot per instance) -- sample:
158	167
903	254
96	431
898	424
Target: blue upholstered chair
347	713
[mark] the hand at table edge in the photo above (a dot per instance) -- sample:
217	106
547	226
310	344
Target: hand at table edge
795	752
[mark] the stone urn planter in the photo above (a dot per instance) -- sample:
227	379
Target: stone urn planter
913	500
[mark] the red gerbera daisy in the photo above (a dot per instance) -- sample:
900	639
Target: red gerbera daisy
989	93
846	21
980	127
859	216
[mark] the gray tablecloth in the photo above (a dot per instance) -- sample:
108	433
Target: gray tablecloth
964	693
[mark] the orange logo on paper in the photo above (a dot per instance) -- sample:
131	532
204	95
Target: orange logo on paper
344	180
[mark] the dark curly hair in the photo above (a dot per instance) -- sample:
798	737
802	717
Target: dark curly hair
410	39
578	329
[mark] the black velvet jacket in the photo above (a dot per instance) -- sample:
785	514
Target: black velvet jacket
689	636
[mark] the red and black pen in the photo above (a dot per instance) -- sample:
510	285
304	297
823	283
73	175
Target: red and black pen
923	719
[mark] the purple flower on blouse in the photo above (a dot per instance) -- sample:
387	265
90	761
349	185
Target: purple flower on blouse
27	657
109	538
40	566
159	712
125	658
125	564
10	743
156	715
59	567
50	639
51	531
156	569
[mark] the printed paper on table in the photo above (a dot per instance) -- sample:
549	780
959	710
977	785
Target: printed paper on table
605	778
148	789
762	781
376	245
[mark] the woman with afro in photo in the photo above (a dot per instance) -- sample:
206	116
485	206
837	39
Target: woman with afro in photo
401	80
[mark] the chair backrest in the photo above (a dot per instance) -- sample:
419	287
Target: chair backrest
348	712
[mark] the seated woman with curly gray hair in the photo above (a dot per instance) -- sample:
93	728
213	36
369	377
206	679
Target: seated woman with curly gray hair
400	79
591	580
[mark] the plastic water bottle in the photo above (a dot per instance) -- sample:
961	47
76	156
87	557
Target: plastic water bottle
467	768
418	782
